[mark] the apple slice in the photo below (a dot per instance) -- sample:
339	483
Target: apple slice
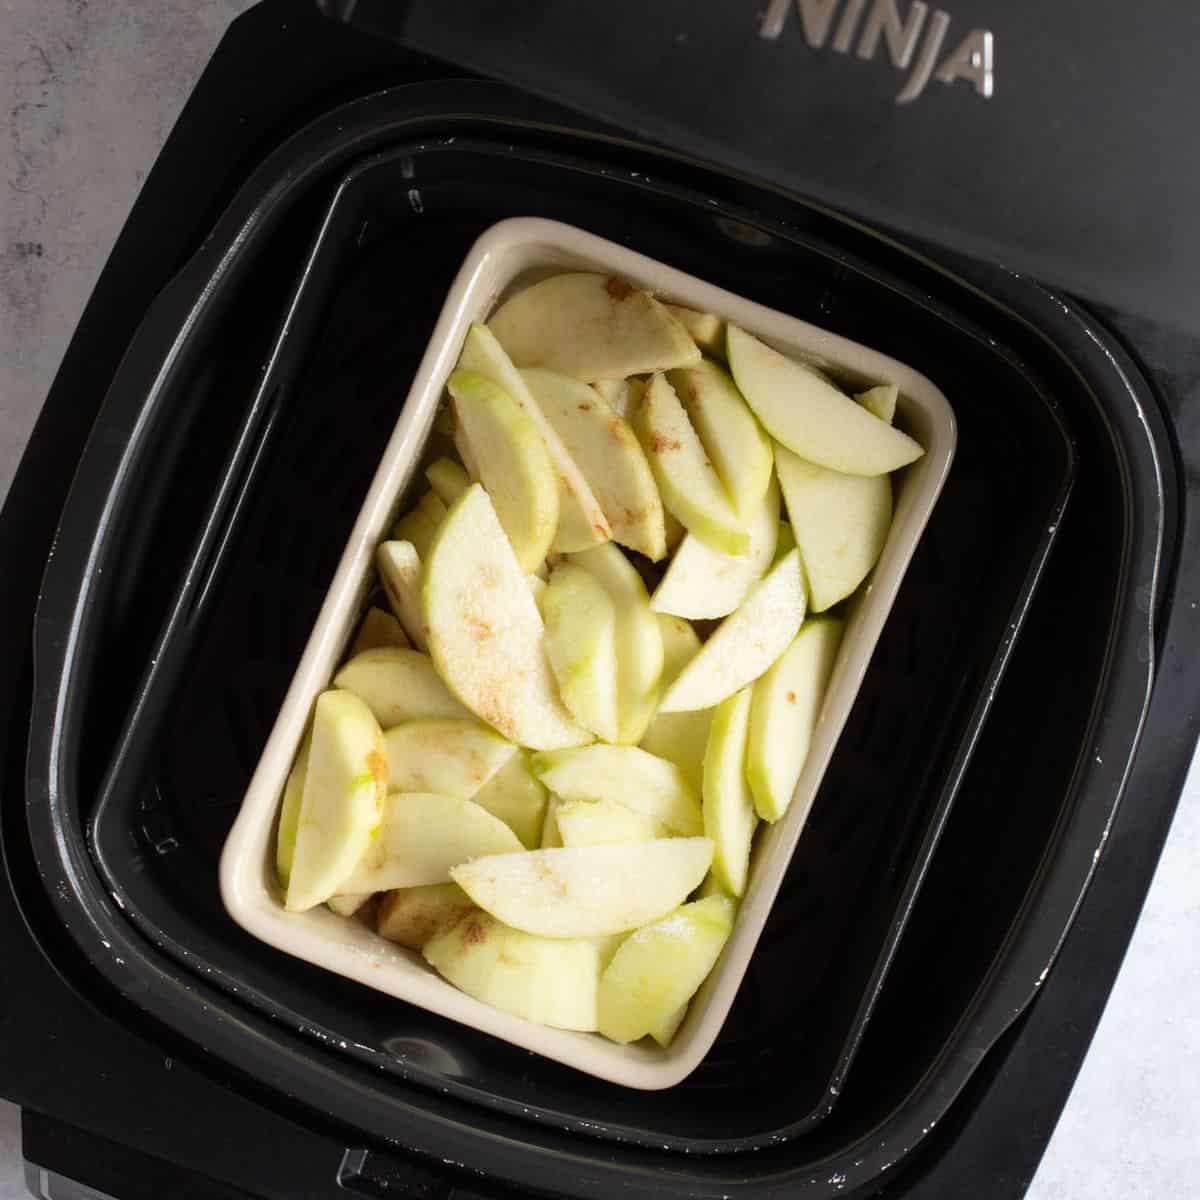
420	525
581	521
587	891
787	705
730	433
626	775
682	738
378	629
664	1031
711	886
679	737
786	541
690	488
398	685
621	395
658	969
680	645
810	416
347	904
702	583
552	982
746	643
674	530
344	786
448	479
609	456
452	758
400	573
581	627
639	642
705	329
289	814
551	837
411	916
515	796
880	401
729	816
591	327
603	823
511	460
840	523
423	835
485	632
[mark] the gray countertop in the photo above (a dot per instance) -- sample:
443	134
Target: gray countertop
91	92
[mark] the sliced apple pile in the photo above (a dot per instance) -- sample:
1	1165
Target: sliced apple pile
598	658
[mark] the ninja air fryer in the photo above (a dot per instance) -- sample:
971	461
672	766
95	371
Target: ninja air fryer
993	194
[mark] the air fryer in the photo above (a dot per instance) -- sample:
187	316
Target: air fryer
946	937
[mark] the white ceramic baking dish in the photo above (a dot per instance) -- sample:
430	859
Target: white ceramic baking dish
508	254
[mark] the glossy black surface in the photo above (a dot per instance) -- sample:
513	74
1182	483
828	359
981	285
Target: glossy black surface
392	242
1130	537
239	1086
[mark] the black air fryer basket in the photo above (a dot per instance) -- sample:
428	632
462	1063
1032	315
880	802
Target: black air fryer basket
970	798
965	806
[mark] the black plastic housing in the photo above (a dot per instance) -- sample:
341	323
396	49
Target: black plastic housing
1033	806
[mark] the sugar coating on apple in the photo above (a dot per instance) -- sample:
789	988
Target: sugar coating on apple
450	757
735	443
411	916
422	836
639	642
378	629
550	981
516	796
626	775
658	969
581	624
729	816
400	573
702	583
398	685
706	329
746	643
581	521
512	462
687	481
604	823
679	737
880	401
610	456
591	326
803	411
344	785
586	891
289	814
787	706
485	631
840	522
420	524
448	479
